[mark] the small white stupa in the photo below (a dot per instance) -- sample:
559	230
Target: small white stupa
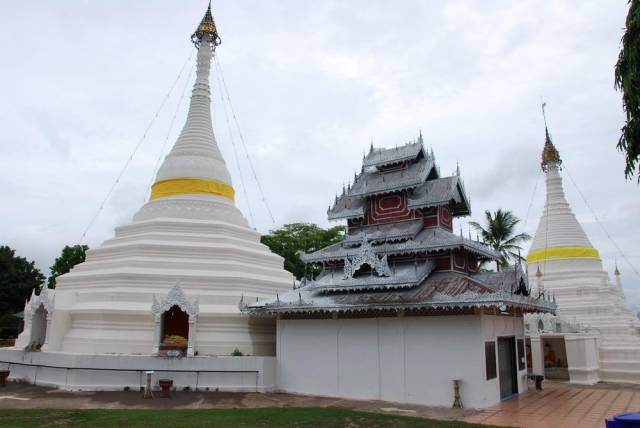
564	263
173	276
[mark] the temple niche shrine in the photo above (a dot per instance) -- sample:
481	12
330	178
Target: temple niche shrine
595	336
399	311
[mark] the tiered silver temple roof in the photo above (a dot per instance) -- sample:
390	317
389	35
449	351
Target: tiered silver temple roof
392	265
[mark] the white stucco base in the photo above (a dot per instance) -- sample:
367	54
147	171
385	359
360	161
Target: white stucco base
403	359
116	372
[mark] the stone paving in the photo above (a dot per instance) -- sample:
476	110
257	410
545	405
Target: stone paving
561	405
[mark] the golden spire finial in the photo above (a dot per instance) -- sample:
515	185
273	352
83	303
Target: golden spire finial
538	273
549	154
207	29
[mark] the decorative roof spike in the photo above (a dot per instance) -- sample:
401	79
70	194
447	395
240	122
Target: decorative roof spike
420	140
538	273
616	272
207	31
458	168
371	147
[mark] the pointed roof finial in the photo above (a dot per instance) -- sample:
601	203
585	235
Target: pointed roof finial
538	273
207	30
616	272
458	168
420	141
371	147
549	154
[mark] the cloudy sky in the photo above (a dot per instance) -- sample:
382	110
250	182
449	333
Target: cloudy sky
312	83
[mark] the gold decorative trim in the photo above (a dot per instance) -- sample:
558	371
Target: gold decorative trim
185	186
563	253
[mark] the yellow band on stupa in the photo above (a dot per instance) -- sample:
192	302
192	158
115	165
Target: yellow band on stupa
185	186
563	253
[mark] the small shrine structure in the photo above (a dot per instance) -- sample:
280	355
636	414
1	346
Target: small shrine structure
400	309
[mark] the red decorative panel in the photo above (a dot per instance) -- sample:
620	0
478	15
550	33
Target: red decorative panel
443	262
472	263
459	259
388	208
430	217
444	217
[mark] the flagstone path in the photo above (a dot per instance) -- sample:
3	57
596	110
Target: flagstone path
560	405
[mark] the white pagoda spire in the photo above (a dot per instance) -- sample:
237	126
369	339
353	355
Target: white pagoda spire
559	235
193	180
195	165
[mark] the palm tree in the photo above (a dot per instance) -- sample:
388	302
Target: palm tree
499	234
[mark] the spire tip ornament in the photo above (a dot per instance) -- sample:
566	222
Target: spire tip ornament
207	31
550	154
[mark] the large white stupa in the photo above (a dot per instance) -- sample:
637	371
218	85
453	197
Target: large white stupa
179	269
563	262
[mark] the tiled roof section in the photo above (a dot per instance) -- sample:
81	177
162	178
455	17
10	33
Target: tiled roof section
504	280
374	182
439	191
428	240
347	207
401	230
404	276
441	290
381	157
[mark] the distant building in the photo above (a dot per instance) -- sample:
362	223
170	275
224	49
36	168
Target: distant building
400	310
595	335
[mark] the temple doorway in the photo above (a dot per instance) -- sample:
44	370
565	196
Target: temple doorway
507	371
175	330
555	358
38	328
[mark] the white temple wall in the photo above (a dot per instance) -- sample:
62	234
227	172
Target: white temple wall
401	359
494	326
117	372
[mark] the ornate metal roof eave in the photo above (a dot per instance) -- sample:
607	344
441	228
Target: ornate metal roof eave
346	216
495	302
391	159
318	258
385	191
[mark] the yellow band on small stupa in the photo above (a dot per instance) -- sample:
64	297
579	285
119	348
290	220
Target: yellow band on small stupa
185	186
563	253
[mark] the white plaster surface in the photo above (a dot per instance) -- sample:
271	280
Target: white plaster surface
585	294
404	359
199	241
116	372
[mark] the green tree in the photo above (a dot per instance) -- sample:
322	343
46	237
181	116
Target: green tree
18	278
627	80
291	238
70	256
499	233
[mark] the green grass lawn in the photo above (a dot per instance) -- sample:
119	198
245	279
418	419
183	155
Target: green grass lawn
266	417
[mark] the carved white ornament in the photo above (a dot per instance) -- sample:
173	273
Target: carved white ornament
366	256
36	300
175	297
